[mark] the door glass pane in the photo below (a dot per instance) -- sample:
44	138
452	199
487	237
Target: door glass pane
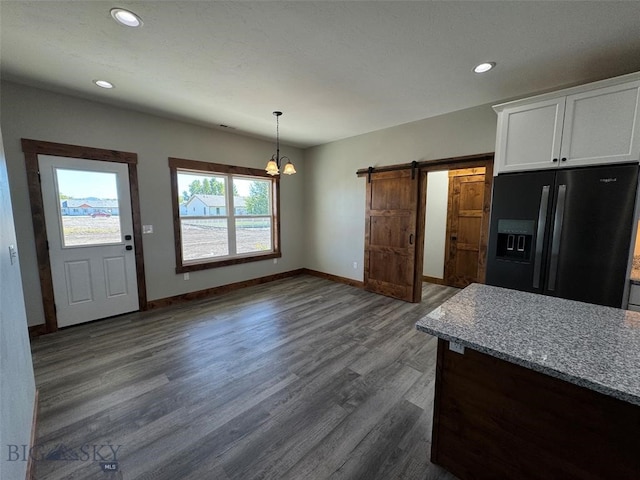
89	207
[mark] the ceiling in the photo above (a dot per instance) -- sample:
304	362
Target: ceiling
336	69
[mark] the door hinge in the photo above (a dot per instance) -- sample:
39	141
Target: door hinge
47	245
55	308
39	179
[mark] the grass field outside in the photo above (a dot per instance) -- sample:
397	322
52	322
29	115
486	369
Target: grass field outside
85	230
201	237
208	237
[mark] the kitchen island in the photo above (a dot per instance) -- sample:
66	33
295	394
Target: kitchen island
544	388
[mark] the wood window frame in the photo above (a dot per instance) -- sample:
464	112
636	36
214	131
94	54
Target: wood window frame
31	150
176	164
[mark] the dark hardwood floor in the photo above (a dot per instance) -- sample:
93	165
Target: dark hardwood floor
298	379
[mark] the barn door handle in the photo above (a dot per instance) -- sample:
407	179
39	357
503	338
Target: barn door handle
411	239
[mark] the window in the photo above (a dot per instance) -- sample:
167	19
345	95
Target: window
223	215
89	226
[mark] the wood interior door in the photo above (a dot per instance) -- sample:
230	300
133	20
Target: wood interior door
391	235
467	222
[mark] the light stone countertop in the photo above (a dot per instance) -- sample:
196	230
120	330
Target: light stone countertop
589	345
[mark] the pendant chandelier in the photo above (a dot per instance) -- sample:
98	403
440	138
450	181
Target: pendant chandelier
273	165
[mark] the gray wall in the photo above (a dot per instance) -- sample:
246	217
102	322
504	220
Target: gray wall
335	197
322	206
435	230
41	115
17	386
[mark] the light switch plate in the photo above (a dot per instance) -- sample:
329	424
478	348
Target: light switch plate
147	228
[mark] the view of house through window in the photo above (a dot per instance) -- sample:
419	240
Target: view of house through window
89	207
223	215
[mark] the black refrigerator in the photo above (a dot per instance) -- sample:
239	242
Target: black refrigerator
565	233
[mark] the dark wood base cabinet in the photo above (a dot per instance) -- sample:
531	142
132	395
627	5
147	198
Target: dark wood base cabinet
497	420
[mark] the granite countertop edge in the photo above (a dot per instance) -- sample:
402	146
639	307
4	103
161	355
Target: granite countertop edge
582	382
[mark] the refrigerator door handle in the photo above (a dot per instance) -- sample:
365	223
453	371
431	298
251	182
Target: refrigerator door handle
557	234
542	225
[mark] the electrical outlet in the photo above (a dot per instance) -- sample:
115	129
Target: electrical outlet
147	229
355	264
275	261
12	254
186	276
456	347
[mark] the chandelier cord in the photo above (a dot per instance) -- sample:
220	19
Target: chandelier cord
278	140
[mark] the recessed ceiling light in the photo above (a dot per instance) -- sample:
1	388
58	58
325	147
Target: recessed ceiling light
103	83
126	18
484	67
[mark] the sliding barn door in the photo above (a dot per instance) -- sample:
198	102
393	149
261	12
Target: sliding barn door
390	235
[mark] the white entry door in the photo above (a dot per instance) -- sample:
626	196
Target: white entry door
87	207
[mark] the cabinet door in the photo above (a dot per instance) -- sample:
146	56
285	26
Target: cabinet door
602	126
529	136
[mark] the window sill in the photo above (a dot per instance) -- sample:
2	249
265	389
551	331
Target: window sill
194	267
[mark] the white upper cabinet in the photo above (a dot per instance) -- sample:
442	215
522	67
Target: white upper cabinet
529	136
589	125
602	126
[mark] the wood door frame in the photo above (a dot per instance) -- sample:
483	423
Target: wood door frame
31	150
455	163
